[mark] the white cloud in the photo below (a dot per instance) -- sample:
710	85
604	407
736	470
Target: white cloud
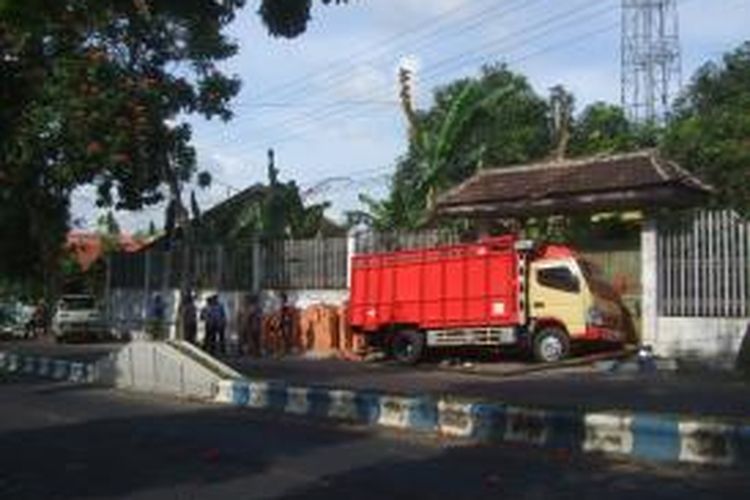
365	82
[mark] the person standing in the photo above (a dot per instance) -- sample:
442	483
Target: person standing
286	314
214	316
220	317
156	314
249	323
205	316
188	317
39	320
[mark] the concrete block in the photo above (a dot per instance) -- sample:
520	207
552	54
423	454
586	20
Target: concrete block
608	433
707	442
525	425
343	405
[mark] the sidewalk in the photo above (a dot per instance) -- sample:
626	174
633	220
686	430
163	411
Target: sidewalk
580	388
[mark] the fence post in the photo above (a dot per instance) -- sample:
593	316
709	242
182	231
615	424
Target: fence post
351	248
219	267
649	284
257	268
108	292
146	287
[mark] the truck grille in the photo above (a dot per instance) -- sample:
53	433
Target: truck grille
471	337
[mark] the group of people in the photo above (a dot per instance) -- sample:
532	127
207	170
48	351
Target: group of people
249	322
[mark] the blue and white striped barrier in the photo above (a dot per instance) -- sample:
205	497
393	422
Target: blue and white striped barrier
640	435
44	367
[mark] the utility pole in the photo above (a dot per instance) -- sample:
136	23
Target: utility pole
651	59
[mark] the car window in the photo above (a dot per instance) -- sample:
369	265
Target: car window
77	304
560	278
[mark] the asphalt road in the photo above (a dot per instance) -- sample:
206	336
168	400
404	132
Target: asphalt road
64	441
583	387
700	394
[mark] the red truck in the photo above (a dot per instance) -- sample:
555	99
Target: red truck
497	292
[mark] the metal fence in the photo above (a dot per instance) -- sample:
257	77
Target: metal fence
298	264
703	266
319	263
314	263
373	242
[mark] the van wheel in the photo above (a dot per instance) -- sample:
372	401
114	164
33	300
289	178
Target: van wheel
551	344
407	347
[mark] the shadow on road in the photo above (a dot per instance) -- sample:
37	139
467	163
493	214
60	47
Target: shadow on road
90	443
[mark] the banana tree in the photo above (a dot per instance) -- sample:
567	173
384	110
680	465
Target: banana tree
436	147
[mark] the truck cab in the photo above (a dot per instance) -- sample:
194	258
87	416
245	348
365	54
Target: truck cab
570	301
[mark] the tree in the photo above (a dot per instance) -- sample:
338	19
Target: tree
493	120
288	18
89	93
276	212
604	129
711	126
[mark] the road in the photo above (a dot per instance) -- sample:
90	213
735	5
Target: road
65	441
705	393
582	387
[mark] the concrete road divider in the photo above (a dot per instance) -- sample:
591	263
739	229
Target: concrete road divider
182	370
640	435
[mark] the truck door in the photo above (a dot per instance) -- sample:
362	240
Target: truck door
556	292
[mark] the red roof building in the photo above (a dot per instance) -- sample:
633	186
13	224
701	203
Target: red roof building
88	247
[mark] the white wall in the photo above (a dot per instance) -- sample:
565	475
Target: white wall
711	341
127	306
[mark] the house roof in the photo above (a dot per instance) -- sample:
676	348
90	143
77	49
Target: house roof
603	183
87	247
220	218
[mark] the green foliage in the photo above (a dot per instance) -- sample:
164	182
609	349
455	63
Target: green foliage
710	131
288	18
604	129
97	91
274	212
493	120
89	96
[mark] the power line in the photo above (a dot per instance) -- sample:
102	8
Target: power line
344	74
451	63
432	27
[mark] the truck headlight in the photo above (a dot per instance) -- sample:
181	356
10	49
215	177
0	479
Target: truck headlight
595	316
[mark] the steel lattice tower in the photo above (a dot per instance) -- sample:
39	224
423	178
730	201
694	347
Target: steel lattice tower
651	59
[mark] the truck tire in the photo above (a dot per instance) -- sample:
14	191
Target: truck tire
551	344
408	346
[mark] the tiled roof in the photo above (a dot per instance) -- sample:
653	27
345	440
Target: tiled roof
87	247
556	182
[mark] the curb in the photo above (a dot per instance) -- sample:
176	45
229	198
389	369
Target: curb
49	368
644	436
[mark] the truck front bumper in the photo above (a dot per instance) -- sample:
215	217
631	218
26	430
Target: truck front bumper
603	334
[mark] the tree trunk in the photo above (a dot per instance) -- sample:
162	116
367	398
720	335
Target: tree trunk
182	220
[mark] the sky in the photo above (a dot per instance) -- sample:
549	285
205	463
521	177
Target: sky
326	102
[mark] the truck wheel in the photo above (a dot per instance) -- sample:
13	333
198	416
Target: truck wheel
407	347
551	344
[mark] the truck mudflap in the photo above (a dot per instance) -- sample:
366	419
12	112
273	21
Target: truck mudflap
455	337
600	333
